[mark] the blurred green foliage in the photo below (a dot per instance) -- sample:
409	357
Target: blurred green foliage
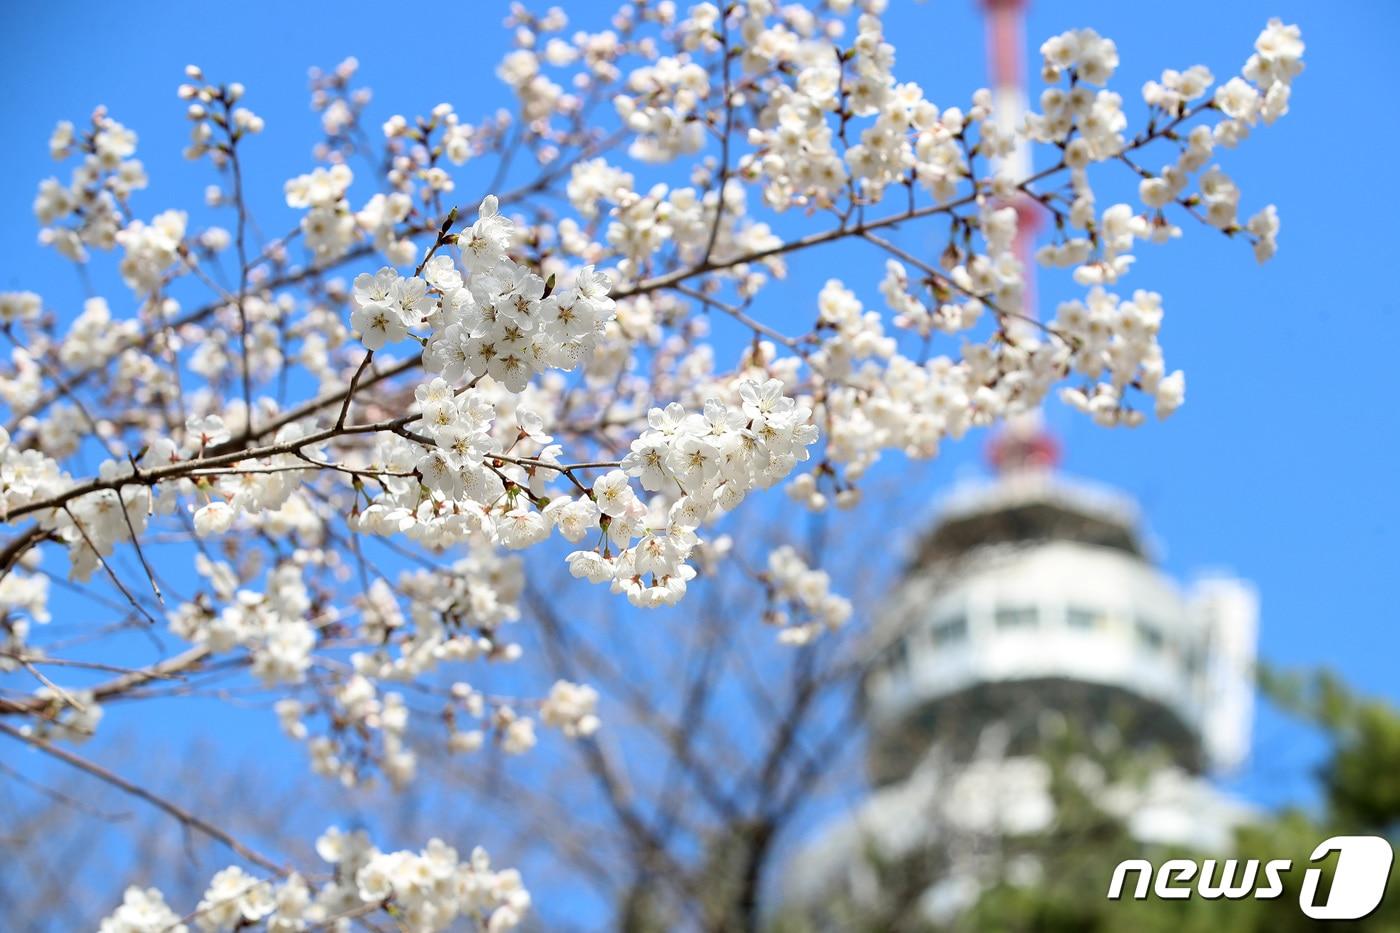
1359	781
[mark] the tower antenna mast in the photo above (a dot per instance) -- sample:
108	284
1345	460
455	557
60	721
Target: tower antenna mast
1023	443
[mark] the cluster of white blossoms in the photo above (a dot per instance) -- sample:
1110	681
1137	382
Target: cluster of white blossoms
359	464
143	910
571	708
432	888
1117	340
695	224
25	597
273	626
499	323
87	212
151	249
1260	93
453	615
796	146
703	464
912	312
456	614
94	334
328	224
216	123
661	108
19	306
807	590
27	475
509	323
422	892
1082	52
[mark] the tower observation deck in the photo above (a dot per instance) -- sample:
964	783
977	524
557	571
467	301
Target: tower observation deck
1034	596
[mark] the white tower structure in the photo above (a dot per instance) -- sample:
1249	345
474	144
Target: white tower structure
1033	593
1033	605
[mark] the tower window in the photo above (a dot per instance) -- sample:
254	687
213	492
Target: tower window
1015	616
1081	617
897	656
950	630
1150	635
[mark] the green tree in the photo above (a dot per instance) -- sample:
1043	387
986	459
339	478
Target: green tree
1360	784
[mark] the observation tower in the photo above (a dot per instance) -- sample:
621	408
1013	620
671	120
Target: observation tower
1034	594
1031	611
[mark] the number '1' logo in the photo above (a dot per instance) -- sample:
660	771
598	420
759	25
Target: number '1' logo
1363	867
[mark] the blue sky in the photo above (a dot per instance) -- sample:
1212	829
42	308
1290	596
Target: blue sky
1281	467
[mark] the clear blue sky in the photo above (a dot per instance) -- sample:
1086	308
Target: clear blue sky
1282	465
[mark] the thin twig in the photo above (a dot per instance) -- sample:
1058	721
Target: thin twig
180	813
350	392
116	581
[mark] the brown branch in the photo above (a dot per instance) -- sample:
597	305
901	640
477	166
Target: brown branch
169	668
185	817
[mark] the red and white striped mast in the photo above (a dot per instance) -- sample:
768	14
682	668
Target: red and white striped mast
1023	444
